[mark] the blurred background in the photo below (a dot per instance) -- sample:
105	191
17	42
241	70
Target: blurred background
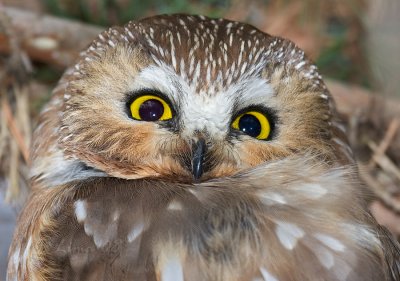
354	43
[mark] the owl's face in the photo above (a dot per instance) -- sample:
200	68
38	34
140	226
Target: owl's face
191	98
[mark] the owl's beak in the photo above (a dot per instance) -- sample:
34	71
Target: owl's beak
199	150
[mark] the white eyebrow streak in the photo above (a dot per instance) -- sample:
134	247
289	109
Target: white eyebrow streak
161	78
251	91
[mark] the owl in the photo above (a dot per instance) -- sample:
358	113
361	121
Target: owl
181	147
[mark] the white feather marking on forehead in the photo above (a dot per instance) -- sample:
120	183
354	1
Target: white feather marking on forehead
205	112
157	78
251	91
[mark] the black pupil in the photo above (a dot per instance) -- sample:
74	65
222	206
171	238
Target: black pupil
250	125
151	110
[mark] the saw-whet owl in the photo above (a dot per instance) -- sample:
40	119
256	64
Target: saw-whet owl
181	147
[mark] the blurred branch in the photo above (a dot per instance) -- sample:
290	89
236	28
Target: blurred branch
380	191
16	133
48	39
15	78
350	97
379	151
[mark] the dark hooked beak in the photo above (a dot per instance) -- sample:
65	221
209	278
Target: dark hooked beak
198	152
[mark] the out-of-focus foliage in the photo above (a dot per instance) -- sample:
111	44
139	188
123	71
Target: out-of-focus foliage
110	12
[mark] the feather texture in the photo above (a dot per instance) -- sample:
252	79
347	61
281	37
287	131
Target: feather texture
193	198
262	223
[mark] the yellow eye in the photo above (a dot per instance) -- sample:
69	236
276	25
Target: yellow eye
254	124
150	108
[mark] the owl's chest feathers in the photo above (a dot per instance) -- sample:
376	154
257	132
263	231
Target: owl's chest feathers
107	214
127	228
230	228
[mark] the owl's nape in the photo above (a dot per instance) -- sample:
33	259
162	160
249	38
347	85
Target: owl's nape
188	148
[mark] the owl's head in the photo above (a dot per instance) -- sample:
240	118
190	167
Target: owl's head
190	98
